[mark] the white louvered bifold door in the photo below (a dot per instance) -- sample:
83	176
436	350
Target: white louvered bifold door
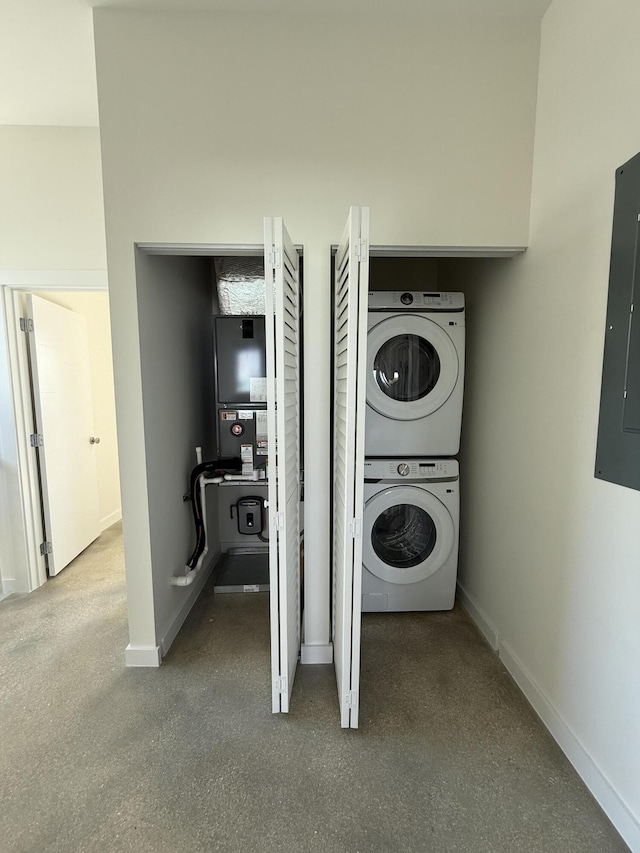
350	350
282	324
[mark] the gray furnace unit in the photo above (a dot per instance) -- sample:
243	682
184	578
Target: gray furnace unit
240	389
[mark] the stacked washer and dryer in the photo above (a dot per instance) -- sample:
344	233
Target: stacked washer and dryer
415	380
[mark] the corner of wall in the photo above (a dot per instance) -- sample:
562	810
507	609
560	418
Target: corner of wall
170	630
593	777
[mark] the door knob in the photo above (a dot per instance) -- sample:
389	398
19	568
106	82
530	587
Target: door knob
94	440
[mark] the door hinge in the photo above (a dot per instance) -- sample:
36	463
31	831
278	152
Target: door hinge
355	528
36	439
278	521
361	249
26	324
281	684
351	698
275	258
46	548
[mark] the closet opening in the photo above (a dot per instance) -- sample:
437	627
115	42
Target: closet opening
420	374
205	314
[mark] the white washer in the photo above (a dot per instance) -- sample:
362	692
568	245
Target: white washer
410	534
415	373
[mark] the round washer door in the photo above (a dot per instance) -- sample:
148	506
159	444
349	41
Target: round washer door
412	367
407	534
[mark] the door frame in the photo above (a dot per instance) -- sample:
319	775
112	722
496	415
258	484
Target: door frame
157	645
21	550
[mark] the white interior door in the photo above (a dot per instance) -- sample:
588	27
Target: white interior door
283	418
350	351
61	381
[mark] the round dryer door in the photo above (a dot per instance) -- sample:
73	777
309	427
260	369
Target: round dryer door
407	534
412	367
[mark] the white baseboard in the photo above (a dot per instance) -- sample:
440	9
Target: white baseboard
482	621
316	654
171	630
7	587
142	655
603	791
611	803
110	519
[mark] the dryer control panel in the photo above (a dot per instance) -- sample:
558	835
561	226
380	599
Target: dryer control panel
411	300
411	469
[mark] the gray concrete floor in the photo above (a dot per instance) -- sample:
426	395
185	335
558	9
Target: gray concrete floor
188	757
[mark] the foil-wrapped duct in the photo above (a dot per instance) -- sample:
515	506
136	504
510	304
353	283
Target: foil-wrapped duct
240	284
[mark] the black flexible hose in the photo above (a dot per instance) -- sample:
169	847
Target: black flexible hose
260	536
213	467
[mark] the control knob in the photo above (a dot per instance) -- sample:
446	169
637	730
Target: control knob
403	469
406	298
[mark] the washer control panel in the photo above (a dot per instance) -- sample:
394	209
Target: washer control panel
410	469
385	300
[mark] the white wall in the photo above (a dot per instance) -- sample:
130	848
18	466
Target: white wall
94	307
210	122
51	231
51	209
551	555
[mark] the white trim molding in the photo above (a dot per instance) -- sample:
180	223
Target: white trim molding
142	656
171	631
219	250
28	562
600	787
605	794
54	279
442	251
316	653
480	618
110	519
7	587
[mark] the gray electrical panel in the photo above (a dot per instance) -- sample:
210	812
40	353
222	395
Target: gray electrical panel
618	450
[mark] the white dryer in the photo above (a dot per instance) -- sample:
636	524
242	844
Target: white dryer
410	534
415	373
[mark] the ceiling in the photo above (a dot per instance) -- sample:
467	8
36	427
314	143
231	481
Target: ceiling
47	66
